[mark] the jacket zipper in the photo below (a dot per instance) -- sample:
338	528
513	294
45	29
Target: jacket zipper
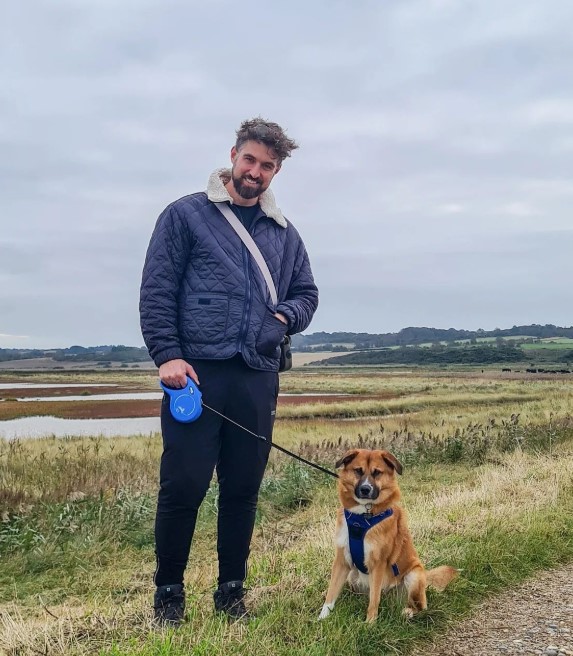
247	308
247	271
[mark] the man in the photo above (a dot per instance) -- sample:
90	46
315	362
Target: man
206	313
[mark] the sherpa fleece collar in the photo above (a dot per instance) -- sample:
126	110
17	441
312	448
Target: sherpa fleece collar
217	193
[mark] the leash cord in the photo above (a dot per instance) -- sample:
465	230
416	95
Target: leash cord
276	446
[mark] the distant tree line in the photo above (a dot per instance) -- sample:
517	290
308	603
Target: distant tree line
481	354
107	353
422	335
337	342
20	354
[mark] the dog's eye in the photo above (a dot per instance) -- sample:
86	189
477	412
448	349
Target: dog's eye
359	471
375	473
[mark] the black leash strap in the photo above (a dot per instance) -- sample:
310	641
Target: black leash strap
276	446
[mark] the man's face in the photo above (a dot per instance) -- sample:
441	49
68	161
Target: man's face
254	166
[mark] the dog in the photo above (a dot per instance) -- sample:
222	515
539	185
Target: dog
374	549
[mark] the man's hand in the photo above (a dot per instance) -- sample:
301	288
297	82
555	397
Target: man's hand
174	373
281	317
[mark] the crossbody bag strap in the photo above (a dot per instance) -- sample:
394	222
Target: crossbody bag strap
249	242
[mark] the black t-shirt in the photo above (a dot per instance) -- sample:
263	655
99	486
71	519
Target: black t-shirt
246	215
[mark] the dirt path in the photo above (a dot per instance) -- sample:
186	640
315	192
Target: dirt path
535	618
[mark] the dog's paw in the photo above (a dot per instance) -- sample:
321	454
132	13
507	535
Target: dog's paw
325	612
371	614
408	613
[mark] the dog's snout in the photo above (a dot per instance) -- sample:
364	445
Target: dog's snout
365	489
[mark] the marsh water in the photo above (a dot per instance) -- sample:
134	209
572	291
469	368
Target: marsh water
56	427
4	386
49	426
128	396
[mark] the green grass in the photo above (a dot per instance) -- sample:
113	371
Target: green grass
557	340
486	491
290	584
290	576
549	345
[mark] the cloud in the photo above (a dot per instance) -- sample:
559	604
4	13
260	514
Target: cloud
450	208
520	209
555	111
435	140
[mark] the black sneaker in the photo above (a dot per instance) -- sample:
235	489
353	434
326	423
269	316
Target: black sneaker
228	599
169	605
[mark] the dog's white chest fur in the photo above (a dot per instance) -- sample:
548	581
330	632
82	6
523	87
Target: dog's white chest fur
357	579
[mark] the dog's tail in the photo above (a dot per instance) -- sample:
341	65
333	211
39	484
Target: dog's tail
439	577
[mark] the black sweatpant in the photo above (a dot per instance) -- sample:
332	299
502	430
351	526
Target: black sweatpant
192	451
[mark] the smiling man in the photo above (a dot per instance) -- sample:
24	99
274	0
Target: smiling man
206	313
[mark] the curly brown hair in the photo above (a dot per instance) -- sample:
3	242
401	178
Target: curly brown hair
268	133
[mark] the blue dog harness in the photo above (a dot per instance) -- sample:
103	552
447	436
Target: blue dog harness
358	526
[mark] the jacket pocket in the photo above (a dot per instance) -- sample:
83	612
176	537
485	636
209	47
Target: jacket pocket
270	336
205	318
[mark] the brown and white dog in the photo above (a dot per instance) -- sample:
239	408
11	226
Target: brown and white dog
367	486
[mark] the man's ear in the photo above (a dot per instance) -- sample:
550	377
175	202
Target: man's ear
234	153
346	458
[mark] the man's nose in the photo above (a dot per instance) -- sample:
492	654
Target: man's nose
255	171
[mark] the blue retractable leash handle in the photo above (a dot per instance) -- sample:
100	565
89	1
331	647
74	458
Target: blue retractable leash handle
186	406
185	403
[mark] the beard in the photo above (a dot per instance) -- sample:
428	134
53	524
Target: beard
245	190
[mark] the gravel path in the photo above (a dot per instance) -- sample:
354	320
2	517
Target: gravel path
535	618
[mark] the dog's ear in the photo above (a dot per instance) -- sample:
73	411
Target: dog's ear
346	458
392	461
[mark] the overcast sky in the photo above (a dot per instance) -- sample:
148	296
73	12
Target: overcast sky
433	186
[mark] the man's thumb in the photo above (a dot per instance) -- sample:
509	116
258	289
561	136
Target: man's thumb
191	373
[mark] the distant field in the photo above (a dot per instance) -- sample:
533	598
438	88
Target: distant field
483	340
553	344
558	340
507	338
300	359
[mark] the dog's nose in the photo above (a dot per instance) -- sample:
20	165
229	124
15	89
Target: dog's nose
365	490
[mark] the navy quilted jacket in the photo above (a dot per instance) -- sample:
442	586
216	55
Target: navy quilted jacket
202	294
